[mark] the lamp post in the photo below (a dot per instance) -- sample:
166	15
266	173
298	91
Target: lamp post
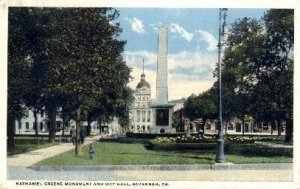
220	157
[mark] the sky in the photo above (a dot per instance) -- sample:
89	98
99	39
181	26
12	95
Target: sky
192	45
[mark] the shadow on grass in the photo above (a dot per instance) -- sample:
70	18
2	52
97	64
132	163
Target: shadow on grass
174	154
249	150
127	141
252	150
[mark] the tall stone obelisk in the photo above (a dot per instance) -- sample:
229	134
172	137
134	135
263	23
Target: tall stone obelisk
162	67
162	111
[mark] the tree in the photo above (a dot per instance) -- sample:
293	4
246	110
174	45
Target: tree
259	66
202	106
20	42
90	66
75	64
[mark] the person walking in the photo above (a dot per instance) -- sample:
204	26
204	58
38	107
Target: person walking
73	134
82	134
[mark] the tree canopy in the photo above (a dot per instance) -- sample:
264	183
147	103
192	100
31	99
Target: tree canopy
257	76
70	58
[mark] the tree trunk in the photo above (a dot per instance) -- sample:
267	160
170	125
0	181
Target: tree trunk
88	131
11	123
279	128
271	128
52	122
203	126
35	122
100	125
243	126
289	130
77	143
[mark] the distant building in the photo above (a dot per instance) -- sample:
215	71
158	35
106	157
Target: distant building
26	124
141	113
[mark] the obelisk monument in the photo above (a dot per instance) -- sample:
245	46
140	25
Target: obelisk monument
162	67
162	111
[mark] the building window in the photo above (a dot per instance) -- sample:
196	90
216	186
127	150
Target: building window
20	124
143	128
143	116
58	124
27	125
149	116
41	126
138	115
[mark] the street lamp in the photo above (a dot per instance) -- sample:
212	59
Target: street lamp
220	157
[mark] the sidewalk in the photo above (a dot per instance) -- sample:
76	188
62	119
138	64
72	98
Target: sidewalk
30	158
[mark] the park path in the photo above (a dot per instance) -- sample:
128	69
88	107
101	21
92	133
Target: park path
30	158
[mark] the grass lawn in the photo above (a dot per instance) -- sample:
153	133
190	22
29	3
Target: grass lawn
138	152
26	144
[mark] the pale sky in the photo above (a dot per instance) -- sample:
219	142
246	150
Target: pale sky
192	45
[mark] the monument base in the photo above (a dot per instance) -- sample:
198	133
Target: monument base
162	116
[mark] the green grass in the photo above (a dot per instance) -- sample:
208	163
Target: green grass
26	144
138	152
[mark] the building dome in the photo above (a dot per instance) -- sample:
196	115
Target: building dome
143	82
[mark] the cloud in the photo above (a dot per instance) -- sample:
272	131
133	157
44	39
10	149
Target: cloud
188	72
209	39
136	25
175	28
191	65
135	59
177	88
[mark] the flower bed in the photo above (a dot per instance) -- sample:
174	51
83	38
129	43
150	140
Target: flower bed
183	146
241	139
204	139
184	139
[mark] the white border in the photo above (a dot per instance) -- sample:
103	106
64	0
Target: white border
294	4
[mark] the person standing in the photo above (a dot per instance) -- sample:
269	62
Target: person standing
73	134
82	134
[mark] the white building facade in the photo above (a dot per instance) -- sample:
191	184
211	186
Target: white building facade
141	113
27	123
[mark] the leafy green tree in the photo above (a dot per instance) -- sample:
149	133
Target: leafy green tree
76	64
202	106
259	67
90	65
20	42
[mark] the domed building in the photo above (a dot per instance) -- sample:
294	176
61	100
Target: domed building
141	112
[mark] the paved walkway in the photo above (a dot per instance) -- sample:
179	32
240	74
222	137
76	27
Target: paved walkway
30	158
274	145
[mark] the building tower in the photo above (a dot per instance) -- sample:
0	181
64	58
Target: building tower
142	113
